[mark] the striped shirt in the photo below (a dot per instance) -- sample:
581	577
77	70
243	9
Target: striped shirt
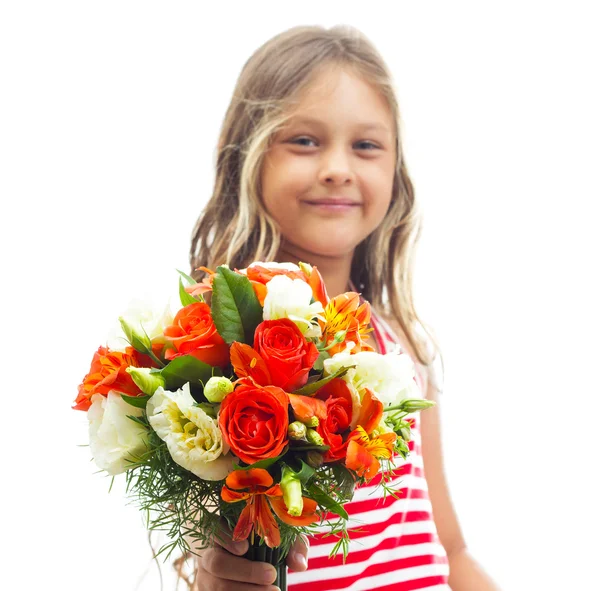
396	545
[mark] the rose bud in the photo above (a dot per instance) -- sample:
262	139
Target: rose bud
313	437
314	458
146	381
297	430
217	388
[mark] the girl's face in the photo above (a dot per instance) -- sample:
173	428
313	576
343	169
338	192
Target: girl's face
328	175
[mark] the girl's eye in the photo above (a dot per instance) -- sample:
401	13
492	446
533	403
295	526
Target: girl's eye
365	145
304	141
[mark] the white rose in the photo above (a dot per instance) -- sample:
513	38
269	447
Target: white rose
144	318
389	376
115	439
193	438
290	298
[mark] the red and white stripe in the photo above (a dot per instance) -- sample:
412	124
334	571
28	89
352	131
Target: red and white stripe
394	543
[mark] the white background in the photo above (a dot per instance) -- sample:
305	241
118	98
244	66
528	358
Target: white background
109	118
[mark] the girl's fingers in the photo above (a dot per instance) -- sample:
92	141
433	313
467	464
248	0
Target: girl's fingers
223	568
225	540
222	538
297	559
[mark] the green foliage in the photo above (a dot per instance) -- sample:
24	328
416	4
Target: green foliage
184	296
313	387
137	401
173	500
235	308
185	369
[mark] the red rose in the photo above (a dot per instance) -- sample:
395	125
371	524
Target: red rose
254	421
338	402
288	355
193	332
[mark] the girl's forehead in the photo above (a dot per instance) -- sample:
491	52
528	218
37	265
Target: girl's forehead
335	93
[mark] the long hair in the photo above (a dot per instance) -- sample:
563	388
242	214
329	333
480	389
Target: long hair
235	227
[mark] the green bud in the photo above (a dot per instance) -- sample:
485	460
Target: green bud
292	492
340	335
140	342
405	433
297	430
314	458
313	437
416	404
146	381
217	388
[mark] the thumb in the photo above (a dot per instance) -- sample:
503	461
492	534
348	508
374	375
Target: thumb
297	559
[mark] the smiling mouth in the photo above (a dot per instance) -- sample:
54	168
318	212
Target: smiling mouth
333	203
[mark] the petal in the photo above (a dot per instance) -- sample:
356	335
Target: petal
245	523
260	289
371	411
232	496
308	512
240	479
266	525
306	407
382	446
247	362
361	461
318	287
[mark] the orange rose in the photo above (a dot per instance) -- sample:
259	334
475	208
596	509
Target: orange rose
107	373
288	355
254	421
193	332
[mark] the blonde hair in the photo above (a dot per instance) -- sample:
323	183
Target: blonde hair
235	227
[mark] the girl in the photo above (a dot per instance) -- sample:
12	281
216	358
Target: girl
310	168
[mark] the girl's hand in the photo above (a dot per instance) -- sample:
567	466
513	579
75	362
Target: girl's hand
222	568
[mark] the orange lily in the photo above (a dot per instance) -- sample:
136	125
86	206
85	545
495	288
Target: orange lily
365	451
247	362
255	486
204	285
371	411
307	407
345	312
314	279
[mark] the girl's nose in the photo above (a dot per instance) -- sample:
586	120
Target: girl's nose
336	169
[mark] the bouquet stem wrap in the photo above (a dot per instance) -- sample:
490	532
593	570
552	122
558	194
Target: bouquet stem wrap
258	551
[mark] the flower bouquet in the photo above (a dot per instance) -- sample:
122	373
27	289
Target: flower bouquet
258	402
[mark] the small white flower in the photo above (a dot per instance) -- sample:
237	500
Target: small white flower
115	439
389	376
193	438
290	298
142	317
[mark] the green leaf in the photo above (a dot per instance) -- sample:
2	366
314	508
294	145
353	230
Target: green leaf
186	298
264	463
137	401
190	280
326	501
306	472
235	308
311	389
185	369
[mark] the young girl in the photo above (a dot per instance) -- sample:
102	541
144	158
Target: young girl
310	168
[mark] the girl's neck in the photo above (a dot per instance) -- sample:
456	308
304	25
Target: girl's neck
334	270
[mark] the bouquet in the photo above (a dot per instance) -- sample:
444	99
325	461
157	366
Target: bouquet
259	402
